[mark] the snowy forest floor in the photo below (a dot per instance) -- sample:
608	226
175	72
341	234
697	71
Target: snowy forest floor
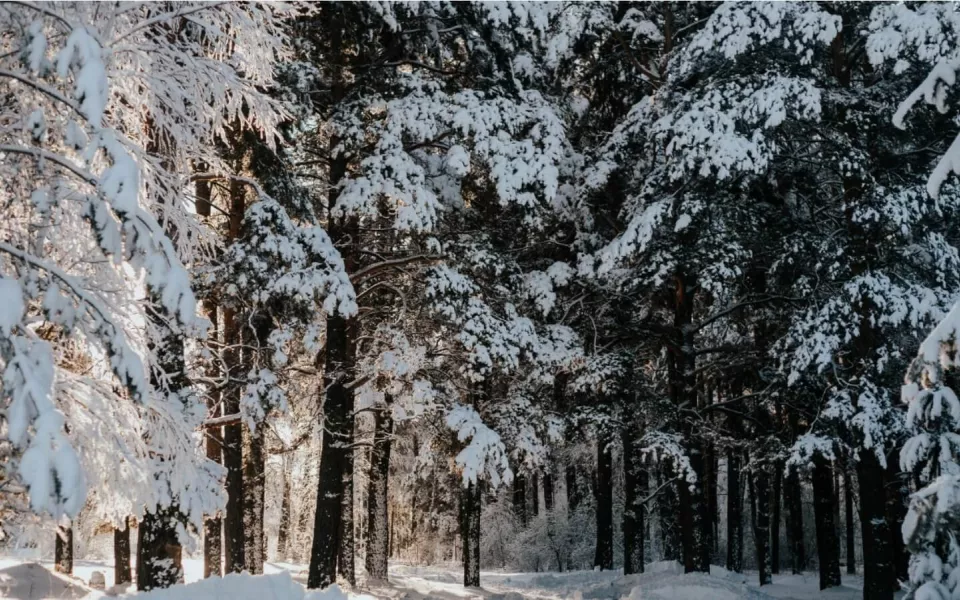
26	580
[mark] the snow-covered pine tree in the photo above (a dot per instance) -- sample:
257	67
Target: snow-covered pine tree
923	42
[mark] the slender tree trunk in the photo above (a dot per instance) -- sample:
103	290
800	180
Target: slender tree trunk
283	535
878	567
898	497
603	557
760	497
573	488
635	491
213	437
63	551
694	526
253	497
734	513
713	504
345	561
232	451
548	489
520	499
535	495
121	554
159	553
470	511
828	546
775	518
378	537
848	506
668	507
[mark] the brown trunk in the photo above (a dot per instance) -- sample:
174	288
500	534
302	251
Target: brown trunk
232	451
775	519
63	551
848	522
121	554
377	518
828	545
283	535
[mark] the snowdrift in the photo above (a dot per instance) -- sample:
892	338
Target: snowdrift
242	586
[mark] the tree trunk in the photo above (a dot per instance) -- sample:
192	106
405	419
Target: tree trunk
694	526
535	495
898	497
335	458
283	535
159	560
63	551
734	513
878	567
470	511
573	488
213	437
712	501
828	546
337	420
345	560
121	554
635	491
378	536
760	498
520	499
253	497
775	518
548	489
668	506
848	518
603	557
232	452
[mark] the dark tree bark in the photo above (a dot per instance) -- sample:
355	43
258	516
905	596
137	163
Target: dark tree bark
345	559
734	513
283	534
232	451
694	522
828	545
712	501
336	455
848	518
573	488
668	507
378	537
548	489
898	498
878	567
63	551
520	499
121	554
794	503
760	498
603	556
635	486
159	553
775	518
534	495
213	437
253	497
470	510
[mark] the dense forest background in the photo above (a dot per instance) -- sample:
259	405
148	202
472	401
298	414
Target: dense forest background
539	286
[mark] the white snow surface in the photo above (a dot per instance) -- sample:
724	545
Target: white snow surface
25	579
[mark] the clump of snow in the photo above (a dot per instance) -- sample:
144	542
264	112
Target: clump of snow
240	586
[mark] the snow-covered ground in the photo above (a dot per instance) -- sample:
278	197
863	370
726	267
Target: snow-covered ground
22	579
